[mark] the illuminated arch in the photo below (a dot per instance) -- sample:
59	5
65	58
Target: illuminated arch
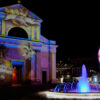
18	32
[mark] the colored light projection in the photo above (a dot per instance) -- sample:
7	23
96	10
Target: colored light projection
19	16
5	65
5	72
2	15
0	27
14	76
28	52
33	51
17	71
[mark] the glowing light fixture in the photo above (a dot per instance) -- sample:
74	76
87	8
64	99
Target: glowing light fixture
95	79
19	1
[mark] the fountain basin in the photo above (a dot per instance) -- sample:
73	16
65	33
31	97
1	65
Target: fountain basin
74	90
69	95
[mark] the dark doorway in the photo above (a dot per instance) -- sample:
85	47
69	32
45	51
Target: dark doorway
17	74
18	32
44	77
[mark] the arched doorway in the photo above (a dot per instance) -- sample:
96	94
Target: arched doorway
18	32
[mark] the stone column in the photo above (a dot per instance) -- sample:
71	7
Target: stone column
33	67
3	28
38	66
53	67
27	69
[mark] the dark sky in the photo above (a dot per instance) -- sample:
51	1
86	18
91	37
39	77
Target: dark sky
74	25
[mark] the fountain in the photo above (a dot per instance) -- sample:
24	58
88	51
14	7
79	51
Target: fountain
75	90
83	84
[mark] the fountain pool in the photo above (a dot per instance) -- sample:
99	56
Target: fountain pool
72	90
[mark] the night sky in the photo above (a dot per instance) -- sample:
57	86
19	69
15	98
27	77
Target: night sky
74	25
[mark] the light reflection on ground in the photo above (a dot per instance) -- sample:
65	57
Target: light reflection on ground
57	95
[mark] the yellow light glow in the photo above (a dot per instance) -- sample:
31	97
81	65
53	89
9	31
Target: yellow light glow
3	28
32	35
19	1
37	32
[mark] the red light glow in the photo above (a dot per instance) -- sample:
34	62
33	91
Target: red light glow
14	76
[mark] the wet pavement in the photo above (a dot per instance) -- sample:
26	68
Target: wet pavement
22	92
25	93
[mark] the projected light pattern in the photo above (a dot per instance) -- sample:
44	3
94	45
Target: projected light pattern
14	75
5	72
27	50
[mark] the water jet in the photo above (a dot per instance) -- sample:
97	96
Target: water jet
71	90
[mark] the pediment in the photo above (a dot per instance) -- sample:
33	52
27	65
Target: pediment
46	41
19	13
43	39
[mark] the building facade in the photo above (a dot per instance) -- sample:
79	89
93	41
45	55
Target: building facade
28	54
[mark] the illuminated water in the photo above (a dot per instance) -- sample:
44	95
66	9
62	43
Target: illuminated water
80	90
83	84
